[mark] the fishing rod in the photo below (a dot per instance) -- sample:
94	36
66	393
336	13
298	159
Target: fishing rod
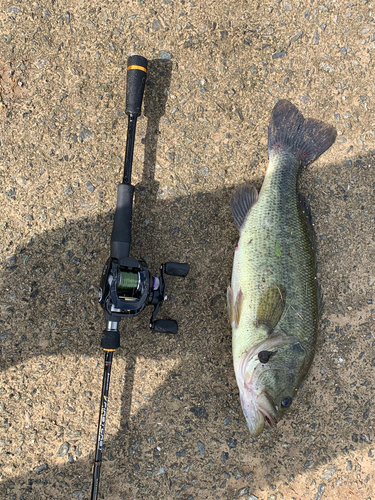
127	286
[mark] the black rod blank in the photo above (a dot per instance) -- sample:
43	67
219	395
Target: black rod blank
101	425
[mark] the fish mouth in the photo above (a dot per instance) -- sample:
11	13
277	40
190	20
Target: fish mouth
257	410
267	408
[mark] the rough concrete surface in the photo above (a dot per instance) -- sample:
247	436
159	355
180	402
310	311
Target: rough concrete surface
175	428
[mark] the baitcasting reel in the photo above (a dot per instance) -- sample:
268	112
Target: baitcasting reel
127	287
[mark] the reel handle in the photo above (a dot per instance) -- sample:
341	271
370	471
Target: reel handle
135	84
176	269
165	326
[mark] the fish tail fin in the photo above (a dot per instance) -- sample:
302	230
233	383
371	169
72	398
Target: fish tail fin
289	131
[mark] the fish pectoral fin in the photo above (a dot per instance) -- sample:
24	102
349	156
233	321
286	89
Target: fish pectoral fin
234	307
237	308
230	304
241	202
271	306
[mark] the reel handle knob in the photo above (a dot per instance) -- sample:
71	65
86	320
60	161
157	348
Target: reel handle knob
176	269
165	326
135	84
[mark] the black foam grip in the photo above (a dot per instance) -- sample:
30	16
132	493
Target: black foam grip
122	225
165	326
177	269
135	84
110	339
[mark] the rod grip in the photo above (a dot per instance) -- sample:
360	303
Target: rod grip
135	84
122	225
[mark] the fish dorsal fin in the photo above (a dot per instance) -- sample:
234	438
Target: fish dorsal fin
306	212
271	306
241	202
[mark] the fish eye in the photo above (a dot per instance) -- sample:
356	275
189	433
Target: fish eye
286	402
264	356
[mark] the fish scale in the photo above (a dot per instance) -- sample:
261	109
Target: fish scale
275	220
274	299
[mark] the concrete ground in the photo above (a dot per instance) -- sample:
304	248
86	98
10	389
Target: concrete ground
175	427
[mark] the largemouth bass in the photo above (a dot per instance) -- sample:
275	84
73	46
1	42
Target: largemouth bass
274	302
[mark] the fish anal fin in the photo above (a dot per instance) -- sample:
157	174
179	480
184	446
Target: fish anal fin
271	306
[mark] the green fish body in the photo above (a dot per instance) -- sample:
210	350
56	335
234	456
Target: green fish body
274	300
